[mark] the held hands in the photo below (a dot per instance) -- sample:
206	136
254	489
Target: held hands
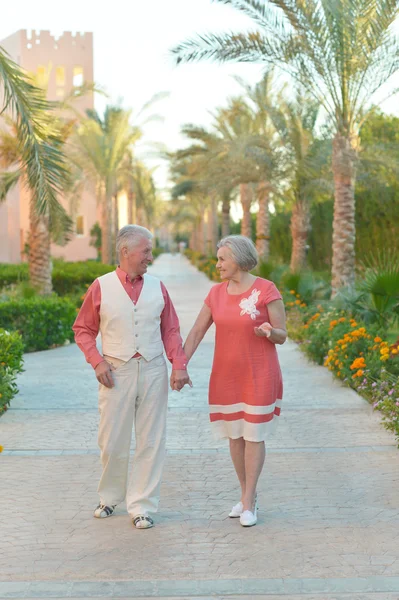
104	374
178	379
264	330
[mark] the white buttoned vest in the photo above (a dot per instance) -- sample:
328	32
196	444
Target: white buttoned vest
127	328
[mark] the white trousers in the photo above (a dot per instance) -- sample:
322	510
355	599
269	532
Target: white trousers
139	397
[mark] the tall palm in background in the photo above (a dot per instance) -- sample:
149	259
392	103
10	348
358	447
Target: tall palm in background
213	177
307	156
98	149
32	154
236	126
342	52
264	147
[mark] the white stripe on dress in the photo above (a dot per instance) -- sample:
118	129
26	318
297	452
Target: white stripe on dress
251	432
250	409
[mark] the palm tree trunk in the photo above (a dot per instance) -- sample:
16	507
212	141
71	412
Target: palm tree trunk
39	253
246	199
214	224
115	224
300	227
344	228
106	229
141	216
202	235
226	216
131	207
262	221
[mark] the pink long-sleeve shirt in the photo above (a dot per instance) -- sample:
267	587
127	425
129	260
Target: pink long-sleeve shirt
87	323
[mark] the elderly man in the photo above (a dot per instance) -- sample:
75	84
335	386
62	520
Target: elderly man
136	319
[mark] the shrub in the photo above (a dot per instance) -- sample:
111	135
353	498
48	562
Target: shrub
156	252
10	274
11	360
67	277
385	398
71	277
203	263
42	322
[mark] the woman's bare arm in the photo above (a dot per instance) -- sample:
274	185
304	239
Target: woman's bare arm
199	329
277	331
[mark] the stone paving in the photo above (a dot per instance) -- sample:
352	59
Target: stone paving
328	525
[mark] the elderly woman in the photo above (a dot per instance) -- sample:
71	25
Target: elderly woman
245	389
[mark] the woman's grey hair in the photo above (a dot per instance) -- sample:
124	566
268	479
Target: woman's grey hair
242	249
130	235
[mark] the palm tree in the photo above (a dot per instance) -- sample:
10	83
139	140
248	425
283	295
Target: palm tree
307	157
204	164
99	149
35	153
236	126
264	148
342	52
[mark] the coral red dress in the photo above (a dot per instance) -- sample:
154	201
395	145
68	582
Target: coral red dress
245	388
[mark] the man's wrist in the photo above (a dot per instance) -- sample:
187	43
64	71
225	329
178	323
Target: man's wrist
96	361
179	366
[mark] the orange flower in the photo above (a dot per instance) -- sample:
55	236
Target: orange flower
377	339
358	363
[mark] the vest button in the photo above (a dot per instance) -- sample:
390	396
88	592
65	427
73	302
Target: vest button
137	335
136	322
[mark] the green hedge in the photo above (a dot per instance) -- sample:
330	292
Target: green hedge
13	274
42	322
71	277
68	277
11	360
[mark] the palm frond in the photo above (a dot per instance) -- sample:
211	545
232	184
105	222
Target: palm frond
41	155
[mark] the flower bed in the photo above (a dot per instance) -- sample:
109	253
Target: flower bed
11	360
354	352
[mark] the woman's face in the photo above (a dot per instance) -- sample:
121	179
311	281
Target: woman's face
225	264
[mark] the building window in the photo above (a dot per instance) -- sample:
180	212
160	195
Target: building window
80	225
41	76
77	80
60	92
60	76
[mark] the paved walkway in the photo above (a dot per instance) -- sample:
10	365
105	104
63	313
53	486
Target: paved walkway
329	495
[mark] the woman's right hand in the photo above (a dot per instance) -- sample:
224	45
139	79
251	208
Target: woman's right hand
265	330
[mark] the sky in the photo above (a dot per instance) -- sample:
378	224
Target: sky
132	39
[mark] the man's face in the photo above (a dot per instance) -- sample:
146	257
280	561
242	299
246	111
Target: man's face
136	259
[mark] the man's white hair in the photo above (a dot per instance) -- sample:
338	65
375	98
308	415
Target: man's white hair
131	235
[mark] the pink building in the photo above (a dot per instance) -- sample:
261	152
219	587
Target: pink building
58	64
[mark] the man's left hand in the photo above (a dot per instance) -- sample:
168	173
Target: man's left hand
178	379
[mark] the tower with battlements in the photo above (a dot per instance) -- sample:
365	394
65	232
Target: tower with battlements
58	64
